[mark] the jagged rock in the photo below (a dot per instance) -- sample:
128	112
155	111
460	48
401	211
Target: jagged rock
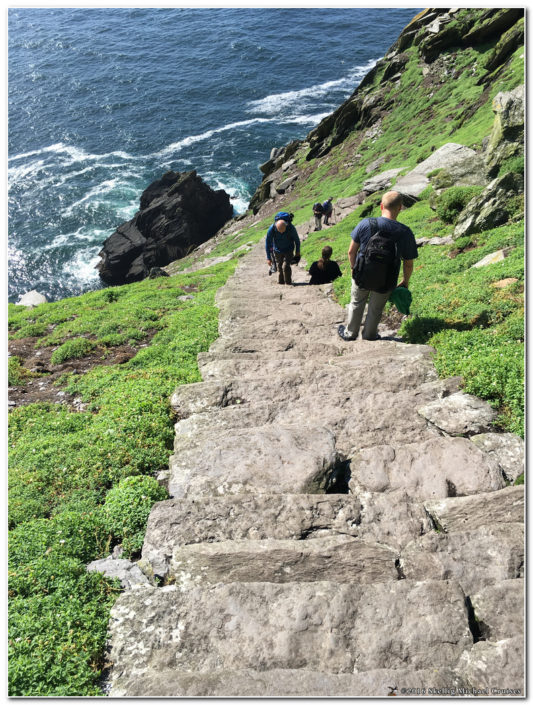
381	181
32	299
176	213
493	23
507	448
286	184
491	208
499	610
259	460
127	572
462	513
494	257
156	272
175	523
494	667
375	165
475	558
507	136
506	45
464	166
287	165
459	414
321	626
343	559
434	469
435	43
285	683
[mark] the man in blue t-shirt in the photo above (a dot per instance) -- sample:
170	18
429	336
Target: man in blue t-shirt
281	241
391	205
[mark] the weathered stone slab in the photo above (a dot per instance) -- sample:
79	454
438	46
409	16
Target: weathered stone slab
508	450
459	414
476	558
259	460
438	468
461	513
499	609
381	181
492	258
392	518
284	683
343	559
496	667
129	574
321	626
178	522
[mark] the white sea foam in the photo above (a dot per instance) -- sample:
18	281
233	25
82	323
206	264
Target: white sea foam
187	141
82	266
75	153
93	195
277	102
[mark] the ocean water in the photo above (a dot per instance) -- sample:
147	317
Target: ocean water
103	101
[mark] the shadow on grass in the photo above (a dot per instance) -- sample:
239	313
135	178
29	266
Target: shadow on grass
421	328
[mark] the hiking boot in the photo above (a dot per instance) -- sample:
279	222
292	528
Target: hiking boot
377	337
341	330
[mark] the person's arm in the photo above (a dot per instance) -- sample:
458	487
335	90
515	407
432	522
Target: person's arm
268	246
296	240
408	265
352	252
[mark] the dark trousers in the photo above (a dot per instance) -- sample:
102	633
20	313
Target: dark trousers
283	261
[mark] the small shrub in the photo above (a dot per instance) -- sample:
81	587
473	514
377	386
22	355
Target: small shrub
513	164
452	202
127	507
17	374
72	349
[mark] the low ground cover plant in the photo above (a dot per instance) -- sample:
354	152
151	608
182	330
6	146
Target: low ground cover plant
81	482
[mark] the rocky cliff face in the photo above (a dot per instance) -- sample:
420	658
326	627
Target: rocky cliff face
431	53
177	213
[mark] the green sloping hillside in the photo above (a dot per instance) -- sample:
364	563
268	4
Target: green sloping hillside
81	475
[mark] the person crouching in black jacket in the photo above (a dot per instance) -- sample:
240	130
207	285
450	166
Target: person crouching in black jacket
324	270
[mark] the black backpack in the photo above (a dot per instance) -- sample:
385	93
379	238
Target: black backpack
376	269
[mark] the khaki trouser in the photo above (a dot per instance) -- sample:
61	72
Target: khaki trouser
318	221
376	304
283	261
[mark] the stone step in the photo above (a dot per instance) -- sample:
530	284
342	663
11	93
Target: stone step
343	559
331	372
392	520
286	683
323	627
427	470
262	460
175	523
460	513
475	558
499	610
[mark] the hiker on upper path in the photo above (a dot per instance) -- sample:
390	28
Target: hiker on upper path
327	207
318	212
377	248
324	270
282	241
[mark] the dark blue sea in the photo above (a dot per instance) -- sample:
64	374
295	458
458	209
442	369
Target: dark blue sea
103	101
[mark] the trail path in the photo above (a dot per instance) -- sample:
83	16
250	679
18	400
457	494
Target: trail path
324	536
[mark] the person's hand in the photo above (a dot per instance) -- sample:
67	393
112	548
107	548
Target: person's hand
403	283
297	258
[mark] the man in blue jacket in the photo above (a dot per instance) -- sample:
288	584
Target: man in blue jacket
281	241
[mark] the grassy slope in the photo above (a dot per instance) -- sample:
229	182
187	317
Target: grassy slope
63	464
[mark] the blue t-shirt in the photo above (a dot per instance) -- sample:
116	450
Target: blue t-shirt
282	242
403	236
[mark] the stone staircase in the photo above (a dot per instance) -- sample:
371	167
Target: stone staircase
323	537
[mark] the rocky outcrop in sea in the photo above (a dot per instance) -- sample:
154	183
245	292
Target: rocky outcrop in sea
177	213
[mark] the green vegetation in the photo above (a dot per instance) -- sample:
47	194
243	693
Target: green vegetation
453	200
127	507
81	482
